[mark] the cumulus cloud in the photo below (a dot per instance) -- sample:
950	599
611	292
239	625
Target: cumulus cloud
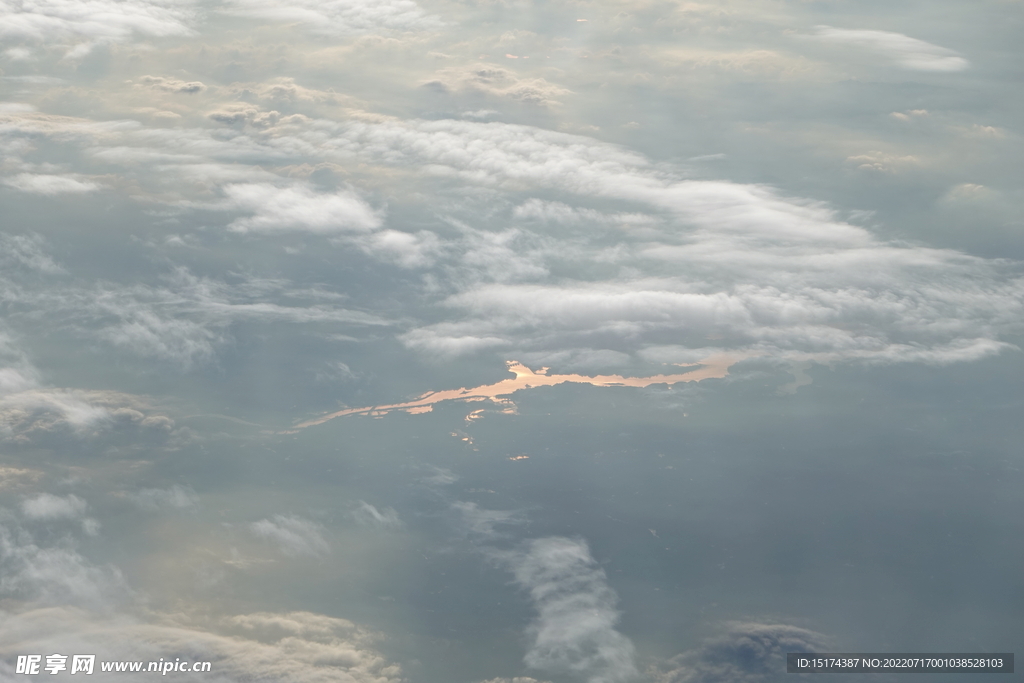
574	633
747	652
48	506
298	208
293	535
38	183
909	53
339	17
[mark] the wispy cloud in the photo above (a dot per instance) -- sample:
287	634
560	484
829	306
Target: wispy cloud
574	632
293	535
909	53
339	17
370	515
37	183
49	506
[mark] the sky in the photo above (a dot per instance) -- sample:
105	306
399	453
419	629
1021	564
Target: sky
508	341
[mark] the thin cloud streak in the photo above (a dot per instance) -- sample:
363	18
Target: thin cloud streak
910	53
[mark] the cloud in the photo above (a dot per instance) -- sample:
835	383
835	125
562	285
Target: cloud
47	506
885	162
481	523
293	535
18	54
186	318
574	632
33	413
36	183
910	53
54	575
56	600
440	476
174	498
407	250
298	208
41	413
559	212
173	84
498	82
27	251
274	647
368	515
687	263
339	17
748	652
93	21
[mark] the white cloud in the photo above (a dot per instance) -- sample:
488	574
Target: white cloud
293	535
37	183
93	21
339	17
886	162
408	250
54	575
30	411
47	506
574	632
558	212
481	523
174	85
18	54
440	476
687	260
910	53
27	251
298	208
369	515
